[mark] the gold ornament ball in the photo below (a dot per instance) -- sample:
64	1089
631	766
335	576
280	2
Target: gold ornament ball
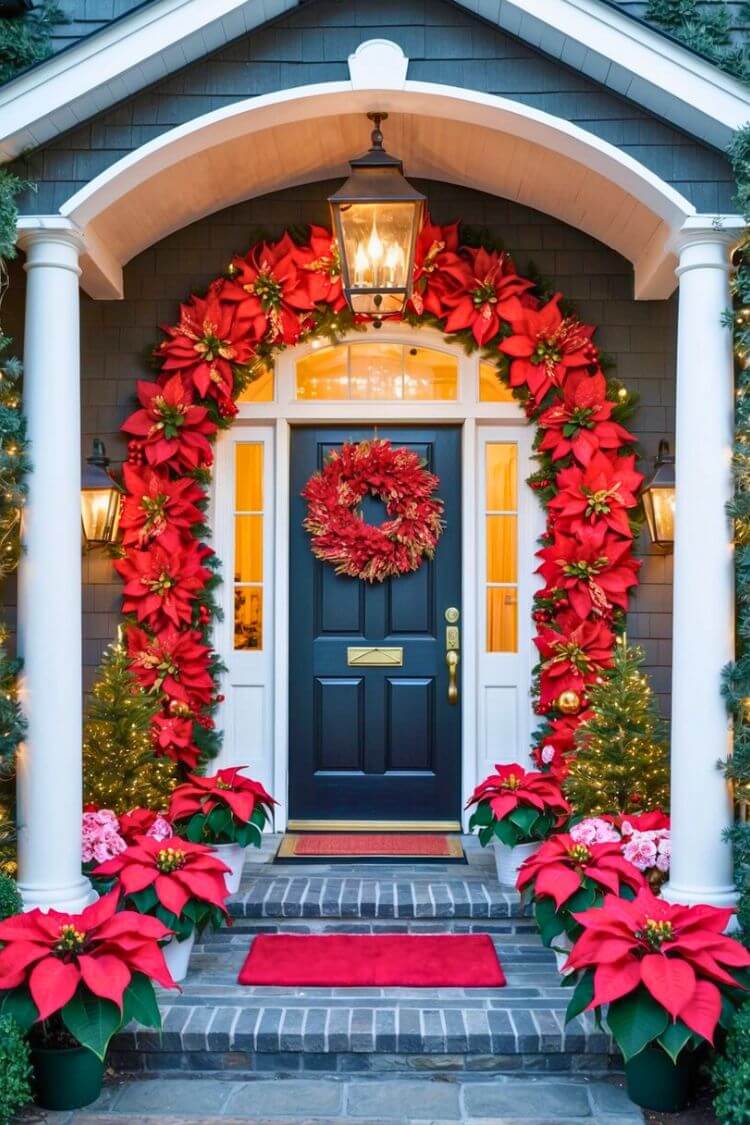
569	702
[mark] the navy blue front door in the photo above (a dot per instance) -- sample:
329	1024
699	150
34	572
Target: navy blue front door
373	742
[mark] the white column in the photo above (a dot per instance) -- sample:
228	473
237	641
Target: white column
703	639
49	594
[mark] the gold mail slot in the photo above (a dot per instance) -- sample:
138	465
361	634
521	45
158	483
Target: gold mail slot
367	657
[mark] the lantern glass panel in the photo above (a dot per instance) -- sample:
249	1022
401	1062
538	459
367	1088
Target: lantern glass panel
377	240
659	504
100	514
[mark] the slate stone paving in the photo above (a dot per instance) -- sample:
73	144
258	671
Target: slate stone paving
346	1101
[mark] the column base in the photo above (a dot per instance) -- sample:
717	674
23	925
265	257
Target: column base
721	897
71	898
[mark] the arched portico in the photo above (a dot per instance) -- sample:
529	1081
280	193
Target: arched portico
460	136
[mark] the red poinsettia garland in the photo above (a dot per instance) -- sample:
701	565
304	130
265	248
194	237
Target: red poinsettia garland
282	292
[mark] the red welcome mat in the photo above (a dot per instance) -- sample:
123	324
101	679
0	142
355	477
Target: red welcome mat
370	845
377	961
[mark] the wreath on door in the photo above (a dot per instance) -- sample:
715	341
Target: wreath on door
340	535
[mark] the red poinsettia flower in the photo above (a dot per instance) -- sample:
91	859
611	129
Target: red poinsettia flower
272	291
545	346
594	568
53	953
679	954
560	866
204	346
172	736
573	653
177	870
158	508
143	822
485	296
172	662
174	431
512	787
556	743
321	261
438	267
600	493
160	585
580	421
229	787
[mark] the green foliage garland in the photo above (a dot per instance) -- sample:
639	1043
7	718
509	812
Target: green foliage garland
25	39
705	28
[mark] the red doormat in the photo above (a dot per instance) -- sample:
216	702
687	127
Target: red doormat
382	961
370	845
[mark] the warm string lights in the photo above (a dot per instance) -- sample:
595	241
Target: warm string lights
119	766
622	759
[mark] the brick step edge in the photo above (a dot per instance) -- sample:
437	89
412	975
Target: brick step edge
267	902
268	1028
525	929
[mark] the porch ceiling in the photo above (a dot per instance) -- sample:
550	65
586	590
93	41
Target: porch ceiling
299	136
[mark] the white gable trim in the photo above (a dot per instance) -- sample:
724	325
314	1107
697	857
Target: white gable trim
158	38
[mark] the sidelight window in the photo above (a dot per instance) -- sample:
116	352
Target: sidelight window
501	532
248	546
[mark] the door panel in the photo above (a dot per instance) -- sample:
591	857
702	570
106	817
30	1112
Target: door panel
373	743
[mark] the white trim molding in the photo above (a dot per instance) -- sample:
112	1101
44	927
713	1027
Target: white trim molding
158	38
297	136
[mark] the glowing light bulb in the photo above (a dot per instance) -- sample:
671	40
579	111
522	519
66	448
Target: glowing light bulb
374	246
361	264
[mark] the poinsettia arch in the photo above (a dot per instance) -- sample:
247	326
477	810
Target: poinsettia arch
283	293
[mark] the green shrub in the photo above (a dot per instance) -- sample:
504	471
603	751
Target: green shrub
15	1070
10	900
731	1073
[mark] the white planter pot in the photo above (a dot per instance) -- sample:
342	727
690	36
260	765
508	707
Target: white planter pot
234	857
561	947
508	860
177	955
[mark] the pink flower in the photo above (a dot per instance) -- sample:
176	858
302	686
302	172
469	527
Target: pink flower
161	829
100	838
595	830
640	851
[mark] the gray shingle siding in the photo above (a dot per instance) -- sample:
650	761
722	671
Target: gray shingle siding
117	336
445	44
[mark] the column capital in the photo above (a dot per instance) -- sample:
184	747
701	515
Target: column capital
706	241
50	240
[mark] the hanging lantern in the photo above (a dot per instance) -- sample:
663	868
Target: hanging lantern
100	499
659	500
376	217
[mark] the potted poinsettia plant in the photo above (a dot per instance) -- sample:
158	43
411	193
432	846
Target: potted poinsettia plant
515	810
566	876
226	810
181	884
72	981
667	976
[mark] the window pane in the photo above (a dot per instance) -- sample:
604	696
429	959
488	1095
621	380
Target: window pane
248	548
501	549
323	374
376	371
260	389
248	486
501	465
429	374
502	620
248	617
491	386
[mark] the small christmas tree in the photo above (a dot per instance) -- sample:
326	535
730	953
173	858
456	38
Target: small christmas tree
621	762
120	771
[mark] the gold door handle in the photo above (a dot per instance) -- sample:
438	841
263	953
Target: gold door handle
451	659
